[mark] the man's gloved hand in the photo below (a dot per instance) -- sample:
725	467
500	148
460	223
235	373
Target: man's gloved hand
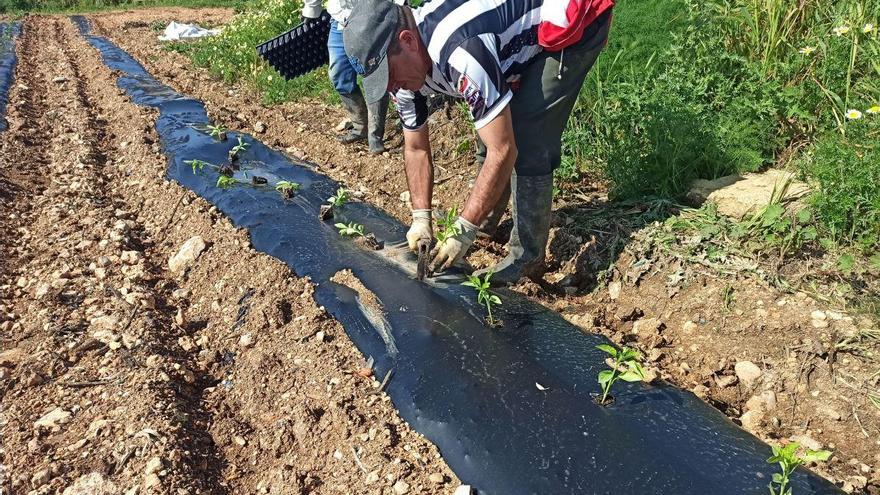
451	250
420	230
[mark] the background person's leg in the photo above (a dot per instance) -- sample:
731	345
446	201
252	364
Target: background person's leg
344	80
540	109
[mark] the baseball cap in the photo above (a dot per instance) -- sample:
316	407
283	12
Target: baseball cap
367	36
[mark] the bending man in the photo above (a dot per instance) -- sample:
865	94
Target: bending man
519	65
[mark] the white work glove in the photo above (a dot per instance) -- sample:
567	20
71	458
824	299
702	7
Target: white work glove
420	230
448	252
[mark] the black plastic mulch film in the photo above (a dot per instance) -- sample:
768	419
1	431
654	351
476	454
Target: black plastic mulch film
469	389
9	31
300	50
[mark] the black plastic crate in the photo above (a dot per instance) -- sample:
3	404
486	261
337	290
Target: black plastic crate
300	50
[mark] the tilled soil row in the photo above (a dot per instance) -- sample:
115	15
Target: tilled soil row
132	365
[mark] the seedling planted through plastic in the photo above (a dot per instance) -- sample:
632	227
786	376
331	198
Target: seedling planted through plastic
448	228
338	199
236	150
626	367
484	297
287	188
788	459
225	182
217	132
197	165
350	230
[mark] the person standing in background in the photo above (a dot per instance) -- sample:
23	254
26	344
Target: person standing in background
368	121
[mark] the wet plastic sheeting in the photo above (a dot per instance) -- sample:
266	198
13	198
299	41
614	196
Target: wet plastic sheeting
469	389
9	31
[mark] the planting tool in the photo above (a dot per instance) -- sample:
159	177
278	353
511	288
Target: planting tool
422	265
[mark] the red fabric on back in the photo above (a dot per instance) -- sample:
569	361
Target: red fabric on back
580	13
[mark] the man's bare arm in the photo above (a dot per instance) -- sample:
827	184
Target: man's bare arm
501	155
419	167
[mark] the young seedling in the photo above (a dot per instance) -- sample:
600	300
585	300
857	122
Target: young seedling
197	165
484	296
338	199
788	459
225	182
350	230
447	226
217	132
236	150
287	188
626	367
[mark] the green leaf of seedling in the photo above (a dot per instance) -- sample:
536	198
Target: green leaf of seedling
608	349
494	299
816	455
777	478
605	376
632	376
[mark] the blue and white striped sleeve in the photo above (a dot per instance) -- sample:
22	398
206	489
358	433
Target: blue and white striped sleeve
412	108
476	72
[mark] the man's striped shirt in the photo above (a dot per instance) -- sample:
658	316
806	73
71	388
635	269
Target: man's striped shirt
479	47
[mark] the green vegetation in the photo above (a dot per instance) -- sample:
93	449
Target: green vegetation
691	89
231	55
238	149
197	165
225	182
447	227
789	459
13	6
625	366
217	132
287	188
339	199
484	296
350	230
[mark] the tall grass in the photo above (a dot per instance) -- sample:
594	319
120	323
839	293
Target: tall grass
20	6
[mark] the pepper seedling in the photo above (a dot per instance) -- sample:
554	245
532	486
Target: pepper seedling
484	296
225	182
338	199
626	367
238	149
448	228
217	132
788	459
350	230
287	188
197	165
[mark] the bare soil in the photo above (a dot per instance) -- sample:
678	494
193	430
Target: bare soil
119	375
700	328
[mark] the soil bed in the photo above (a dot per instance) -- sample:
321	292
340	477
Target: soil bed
125	362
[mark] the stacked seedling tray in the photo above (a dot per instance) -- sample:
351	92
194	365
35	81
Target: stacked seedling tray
300	50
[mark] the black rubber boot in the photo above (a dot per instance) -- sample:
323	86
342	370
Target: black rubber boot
376	125
356	107
532	205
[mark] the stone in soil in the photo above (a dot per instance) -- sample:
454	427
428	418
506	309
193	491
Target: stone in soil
748	372
187	255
